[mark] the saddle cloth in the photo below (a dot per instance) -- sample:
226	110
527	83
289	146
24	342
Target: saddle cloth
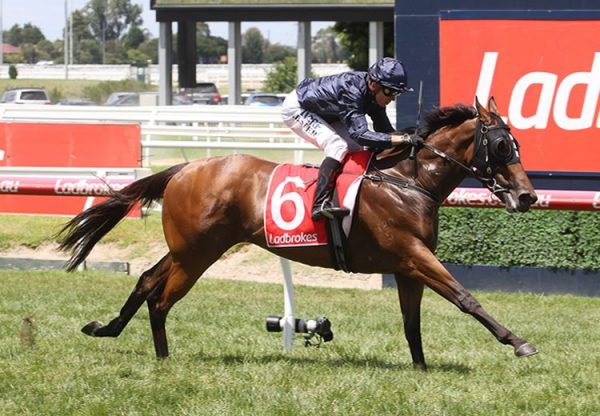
290	195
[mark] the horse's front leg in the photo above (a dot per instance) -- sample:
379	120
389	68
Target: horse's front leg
424	266
410	293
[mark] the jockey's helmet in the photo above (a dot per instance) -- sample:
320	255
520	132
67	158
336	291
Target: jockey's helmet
390	73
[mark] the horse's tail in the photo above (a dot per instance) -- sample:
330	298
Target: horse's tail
87	228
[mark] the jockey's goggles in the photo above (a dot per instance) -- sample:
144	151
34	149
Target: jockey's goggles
389	92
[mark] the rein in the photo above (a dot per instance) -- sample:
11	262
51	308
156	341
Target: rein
380	176
481	132
489	182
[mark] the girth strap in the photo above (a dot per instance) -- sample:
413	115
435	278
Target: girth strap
338	247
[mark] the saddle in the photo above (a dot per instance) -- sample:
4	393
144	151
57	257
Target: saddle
289	201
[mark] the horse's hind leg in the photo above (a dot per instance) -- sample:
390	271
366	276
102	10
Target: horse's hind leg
148	282
181	278
410	293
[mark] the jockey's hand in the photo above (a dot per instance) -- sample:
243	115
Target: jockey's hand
417	141
400	138
405	138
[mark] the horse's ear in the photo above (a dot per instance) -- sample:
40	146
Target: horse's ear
484	115
492	106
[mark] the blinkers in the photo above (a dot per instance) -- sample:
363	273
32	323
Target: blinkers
494	147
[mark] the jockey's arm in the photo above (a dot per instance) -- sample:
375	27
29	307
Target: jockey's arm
358	128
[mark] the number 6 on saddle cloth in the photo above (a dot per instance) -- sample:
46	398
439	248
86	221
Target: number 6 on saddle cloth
290	194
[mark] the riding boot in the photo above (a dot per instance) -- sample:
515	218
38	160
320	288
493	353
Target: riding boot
322	207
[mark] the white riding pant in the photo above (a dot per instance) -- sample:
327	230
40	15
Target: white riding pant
332	138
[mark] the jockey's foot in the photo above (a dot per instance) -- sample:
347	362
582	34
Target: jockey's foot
329	212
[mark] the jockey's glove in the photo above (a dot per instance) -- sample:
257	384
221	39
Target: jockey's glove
405	138
417	141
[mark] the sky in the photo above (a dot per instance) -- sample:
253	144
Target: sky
49	16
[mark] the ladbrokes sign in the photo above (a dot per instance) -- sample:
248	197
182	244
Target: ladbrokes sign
545	76
69	145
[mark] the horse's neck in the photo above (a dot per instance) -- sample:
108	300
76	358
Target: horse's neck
432	172
442	175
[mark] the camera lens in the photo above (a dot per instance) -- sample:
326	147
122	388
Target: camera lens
274	323
301	326
324	328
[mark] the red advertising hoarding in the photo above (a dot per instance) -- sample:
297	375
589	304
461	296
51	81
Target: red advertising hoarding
63	145
545	76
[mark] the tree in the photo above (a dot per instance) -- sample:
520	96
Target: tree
29	53
134	38
326	47
354	37
135	56
32	34
111	19
104	31
203	29
108	21
278	52
115	53
12	72
150	49
209	49
81	27
46	50
88	51
283	77
13	36
29	33
253	44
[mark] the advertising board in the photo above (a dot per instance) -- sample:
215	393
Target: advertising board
545	76
62	146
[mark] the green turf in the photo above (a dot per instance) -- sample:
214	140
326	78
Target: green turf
223	362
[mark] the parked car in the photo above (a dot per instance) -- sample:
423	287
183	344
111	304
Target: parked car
203	93
142	98
243	97
25	96
116	97
263	99
75	101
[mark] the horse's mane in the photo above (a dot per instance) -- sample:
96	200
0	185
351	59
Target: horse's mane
446	116
432	121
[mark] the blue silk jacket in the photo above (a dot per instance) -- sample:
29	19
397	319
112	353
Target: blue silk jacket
346	97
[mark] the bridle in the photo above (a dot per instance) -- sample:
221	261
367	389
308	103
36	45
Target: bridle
494	147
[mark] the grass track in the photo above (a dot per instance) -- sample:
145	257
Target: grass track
223	362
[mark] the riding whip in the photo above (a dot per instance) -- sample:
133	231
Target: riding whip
413	151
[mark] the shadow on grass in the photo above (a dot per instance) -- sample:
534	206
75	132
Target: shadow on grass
364	363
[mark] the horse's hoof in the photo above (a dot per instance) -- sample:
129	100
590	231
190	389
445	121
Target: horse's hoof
420	366
526	350
91	328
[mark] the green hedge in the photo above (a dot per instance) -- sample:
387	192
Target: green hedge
554	239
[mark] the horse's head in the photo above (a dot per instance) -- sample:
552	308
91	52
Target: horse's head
496	160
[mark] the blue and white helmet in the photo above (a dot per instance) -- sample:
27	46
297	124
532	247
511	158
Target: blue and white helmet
390	73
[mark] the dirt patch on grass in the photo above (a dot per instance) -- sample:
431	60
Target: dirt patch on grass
246	262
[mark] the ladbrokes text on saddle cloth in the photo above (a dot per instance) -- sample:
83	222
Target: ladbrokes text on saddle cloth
289	200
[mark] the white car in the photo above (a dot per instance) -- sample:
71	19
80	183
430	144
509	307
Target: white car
25	96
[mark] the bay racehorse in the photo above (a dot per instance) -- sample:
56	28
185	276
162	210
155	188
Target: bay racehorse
212	204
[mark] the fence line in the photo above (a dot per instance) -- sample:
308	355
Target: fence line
180	116
66	181
252	75
243	127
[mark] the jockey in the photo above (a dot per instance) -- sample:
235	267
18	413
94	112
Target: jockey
330	111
